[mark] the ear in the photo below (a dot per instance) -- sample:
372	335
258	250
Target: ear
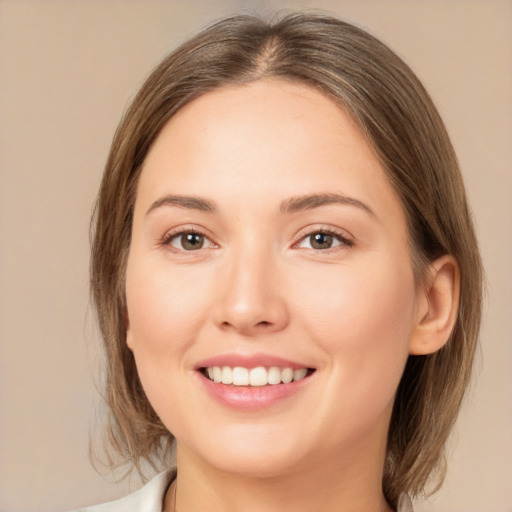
129	337
438	305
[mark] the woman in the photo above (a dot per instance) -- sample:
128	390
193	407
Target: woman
286	274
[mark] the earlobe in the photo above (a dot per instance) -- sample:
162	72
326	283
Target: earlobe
129	338
438	305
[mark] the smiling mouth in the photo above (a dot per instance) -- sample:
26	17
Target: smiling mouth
254	377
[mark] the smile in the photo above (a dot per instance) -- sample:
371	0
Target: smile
257	377
252	382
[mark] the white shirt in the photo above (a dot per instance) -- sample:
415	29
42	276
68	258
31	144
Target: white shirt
150	498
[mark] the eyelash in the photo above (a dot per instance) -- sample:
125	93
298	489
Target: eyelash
179	232
301	237
338	235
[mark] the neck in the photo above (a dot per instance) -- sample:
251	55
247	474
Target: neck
347	487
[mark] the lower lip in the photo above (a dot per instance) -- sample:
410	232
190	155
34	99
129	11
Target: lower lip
252	398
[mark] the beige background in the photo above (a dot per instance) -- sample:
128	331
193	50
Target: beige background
67	71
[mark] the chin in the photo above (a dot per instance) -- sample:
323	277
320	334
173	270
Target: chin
263	465
256	456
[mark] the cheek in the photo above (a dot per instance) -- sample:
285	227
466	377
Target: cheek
354	300
165	309
362	319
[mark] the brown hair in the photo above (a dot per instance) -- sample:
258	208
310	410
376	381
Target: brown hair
403	126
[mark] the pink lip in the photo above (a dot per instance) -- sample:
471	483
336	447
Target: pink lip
250	398
247	398
250	361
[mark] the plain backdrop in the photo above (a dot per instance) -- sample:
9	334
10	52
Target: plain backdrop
67	72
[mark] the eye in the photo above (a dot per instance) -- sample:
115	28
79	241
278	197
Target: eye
187	241
323	240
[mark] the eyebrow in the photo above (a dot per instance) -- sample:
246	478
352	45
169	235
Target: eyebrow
307	202
188	202
289	206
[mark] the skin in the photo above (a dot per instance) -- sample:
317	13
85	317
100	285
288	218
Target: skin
257	285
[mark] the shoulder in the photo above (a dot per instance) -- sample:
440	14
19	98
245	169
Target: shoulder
149	498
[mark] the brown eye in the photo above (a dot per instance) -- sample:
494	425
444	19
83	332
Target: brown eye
321	240
188	241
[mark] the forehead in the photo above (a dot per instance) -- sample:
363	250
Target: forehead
268	139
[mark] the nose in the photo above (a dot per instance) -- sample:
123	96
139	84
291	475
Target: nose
251	299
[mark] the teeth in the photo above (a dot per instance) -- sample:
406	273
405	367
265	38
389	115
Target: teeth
227	375
287	375
259	376
300	374
274	375
240	376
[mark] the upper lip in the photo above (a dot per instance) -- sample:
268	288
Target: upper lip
250	361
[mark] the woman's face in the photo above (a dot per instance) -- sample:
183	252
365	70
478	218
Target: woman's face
266	237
